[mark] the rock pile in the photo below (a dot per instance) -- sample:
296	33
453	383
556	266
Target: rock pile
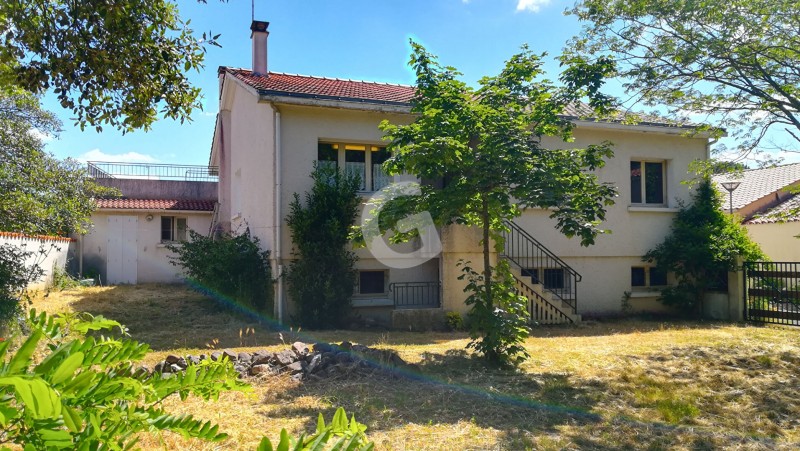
301	361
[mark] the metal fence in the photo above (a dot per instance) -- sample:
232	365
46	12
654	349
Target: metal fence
416	294
772	292
148	171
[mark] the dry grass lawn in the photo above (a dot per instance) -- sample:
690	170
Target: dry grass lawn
615	385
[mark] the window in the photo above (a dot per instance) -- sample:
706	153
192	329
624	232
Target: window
648	277
648	182
371	282
553	277
357	159
173	229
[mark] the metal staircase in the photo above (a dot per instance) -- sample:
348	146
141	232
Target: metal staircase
549	283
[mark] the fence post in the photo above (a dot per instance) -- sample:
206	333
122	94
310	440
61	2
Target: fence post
736	299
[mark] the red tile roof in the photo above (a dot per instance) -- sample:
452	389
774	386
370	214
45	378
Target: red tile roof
325	88
306	86
157	204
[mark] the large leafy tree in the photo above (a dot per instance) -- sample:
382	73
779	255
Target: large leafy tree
41	194
111	62
702	246
738	61
485	147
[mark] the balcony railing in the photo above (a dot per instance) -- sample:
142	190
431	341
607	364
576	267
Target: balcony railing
149	171
416	294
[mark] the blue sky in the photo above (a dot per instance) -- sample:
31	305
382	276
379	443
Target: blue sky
356	39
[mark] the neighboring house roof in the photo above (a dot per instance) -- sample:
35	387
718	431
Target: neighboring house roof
324	88
293	85
156	204
786	211
758	184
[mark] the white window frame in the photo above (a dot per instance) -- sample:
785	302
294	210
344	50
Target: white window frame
341	163
643	182
175	230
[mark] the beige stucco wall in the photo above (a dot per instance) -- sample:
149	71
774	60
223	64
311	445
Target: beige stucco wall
605	266
251	171
152	257
777	240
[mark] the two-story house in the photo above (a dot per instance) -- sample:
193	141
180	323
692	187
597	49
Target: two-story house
273	126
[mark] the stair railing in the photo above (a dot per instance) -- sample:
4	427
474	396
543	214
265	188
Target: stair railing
540	309
541	264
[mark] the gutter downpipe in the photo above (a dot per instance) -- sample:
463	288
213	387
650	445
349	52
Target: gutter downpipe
278	219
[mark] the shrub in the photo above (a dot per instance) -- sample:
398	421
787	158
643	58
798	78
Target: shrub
350	436
498	329
232	265
454	321
322	276
86	393
62	280
704	243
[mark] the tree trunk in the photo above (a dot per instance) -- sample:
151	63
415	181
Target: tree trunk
487	269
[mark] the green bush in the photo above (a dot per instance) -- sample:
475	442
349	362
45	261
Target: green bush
704	242
231	265
85	393
498	329
350	436
62	280
454	321
322	276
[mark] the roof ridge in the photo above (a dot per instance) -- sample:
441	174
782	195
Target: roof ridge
771	167
321	77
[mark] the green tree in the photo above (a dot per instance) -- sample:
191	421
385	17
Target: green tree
702	246
84	392
41	194
322	276
109	62
735	60
485	147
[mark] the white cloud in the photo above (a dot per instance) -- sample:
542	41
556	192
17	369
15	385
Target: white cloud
531	5
42	136
128	157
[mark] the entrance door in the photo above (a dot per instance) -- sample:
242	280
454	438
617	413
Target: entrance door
121	251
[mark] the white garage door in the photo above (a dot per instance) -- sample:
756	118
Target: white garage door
121	255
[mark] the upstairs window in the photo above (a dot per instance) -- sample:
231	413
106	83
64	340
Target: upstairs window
173	229
648	182
361	160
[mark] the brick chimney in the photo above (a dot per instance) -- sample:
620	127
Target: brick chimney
259	36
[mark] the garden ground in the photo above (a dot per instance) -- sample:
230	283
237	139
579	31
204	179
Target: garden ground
610	385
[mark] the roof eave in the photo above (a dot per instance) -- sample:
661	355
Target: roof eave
643	127
280	97
152	210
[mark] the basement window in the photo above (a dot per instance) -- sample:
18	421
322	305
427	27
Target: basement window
649	276
372	282
173	229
